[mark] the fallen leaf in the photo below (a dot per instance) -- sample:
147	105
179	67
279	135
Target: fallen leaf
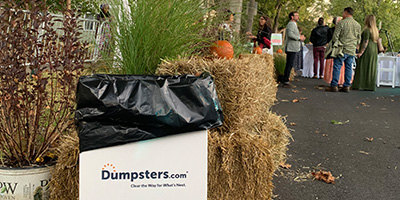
320	87
304	88
295	91
295	100
285	166
364	104
339	123
363	152
292	124
324	176
369	139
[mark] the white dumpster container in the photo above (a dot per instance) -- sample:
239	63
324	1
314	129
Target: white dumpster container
172	167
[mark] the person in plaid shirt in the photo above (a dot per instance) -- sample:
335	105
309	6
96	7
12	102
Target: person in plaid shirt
348	34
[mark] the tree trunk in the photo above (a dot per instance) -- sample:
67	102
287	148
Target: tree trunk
236	7
250	15
278	8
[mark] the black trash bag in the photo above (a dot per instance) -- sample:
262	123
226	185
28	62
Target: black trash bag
118	109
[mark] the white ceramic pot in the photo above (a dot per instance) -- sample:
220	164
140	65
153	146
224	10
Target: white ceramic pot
24	183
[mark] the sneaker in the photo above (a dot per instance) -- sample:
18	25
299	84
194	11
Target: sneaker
332	89
345	89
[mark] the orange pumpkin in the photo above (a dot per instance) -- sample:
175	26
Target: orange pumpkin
279	51
222	49
257	50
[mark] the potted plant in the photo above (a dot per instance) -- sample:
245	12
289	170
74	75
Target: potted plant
39	66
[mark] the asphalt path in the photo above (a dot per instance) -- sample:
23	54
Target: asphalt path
355	136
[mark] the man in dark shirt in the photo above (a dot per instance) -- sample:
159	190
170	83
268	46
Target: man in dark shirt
319	40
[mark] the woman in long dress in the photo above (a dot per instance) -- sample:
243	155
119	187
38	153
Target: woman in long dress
365	75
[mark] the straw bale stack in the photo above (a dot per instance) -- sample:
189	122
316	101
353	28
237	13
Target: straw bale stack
243	153
64	184
247	149
245	86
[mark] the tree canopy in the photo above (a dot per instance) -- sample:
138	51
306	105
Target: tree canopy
386	11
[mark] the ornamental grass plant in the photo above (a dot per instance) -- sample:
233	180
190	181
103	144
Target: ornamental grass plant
147	31
280	63
39	67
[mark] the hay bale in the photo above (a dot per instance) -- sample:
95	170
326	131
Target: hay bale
246	87
248	148
65	175
239	166
243	153
273	129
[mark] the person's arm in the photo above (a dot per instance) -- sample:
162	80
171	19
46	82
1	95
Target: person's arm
336	34
364	43
359	35
292	33
312	37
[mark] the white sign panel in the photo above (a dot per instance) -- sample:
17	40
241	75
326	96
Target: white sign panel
173	167
276	39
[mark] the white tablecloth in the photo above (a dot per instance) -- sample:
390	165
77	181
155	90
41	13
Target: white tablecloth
308	61
387	76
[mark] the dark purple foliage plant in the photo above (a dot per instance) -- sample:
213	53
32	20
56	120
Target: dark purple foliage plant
39	69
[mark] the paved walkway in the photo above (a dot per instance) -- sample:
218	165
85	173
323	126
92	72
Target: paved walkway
363	152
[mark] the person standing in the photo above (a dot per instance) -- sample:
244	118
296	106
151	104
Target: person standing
319	40
104	17
263	37
365	75
348	35
329	61
225	29
292	47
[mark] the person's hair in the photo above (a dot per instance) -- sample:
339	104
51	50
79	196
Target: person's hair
370	23
349	10
335	19
291	14
228	14
268	22
102	12
321	21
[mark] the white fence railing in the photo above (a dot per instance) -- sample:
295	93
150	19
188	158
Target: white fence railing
91	29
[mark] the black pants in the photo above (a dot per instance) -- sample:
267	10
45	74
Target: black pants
290	56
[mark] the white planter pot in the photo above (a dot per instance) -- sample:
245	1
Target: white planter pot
24	184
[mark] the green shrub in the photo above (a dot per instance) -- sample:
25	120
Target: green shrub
147	31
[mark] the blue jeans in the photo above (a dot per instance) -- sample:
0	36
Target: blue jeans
337	65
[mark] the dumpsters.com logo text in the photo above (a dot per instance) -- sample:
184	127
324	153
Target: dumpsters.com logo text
109	172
